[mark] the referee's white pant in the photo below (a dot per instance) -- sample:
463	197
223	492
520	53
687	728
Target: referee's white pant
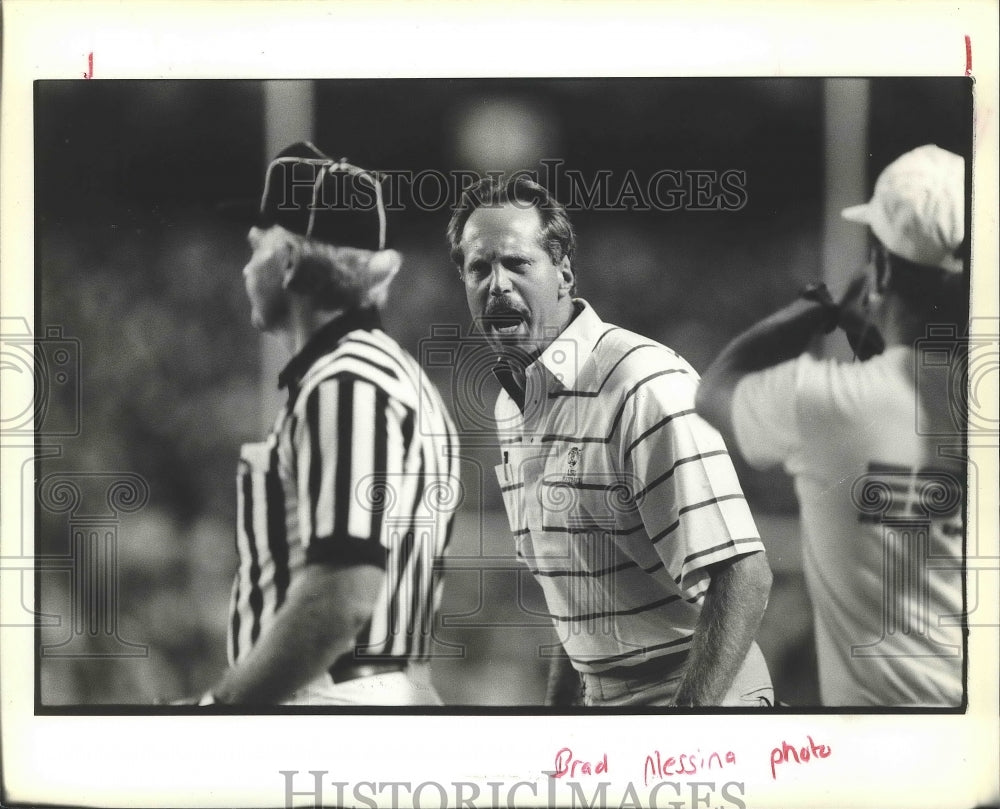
411	686
656	685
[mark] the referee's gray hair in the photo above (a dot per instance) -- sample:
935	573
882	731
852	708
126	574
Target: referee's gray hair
334	276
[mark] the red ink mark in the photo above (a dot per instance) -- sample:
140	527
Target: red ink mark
968	55
660	766
785	753
90	66
567	765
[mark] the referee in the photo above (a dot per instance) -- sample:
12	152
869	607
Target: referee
346	508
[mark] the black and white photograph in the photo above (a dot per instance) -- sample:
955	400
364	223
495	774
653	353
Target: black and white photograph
688	214
648	414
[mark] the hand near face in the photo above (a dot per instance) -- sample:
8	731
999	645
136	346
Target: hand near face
856	320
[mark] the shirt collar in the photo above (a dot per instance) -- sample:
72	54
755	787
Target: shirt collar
563	357
324	340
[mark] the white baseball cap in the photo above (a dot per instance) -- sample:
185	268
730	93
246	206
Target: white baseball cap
918	207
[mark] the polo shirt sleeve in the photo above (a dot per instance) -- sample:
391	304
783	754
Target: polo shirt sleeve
350	446
686	490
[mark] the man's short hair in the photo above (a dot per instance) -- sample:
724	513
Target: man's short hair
558	238
335	277
930	294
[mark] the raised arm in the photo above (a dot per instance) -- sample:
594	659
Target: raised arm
773	340
780	337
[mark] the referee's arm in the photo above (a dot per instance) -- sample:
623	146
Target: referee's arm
309	632
343	435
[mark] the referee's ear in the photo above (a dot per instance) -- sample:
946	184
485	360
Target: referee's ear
289	273
380	270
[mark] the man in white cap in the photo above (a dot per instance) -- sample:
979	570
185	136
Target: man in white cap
875	446
344	511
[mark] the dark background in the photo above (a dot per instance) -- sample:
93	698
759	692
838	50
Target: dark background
140	271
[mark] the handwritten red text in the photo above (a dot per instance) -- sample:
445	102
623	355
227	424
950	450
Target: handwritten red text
800	755
664	766
566	764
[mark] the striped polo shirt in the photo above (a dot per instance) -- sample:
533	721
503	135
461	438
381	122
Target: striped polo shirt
361	466
619	496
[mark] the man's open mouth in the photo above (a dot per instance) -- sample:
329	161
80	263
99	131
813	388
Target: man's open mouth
504	322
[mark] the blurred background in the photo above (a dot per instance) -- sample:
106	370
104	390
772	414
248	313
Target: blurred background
156	376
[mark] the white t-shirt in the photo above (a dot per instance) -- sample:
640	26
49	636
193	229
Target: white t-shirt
881	508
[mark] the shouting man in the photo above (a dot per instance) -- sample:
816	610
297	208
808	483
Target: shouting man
623	502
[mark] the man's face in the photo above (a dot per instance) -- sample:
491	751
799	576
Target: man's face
263	276
519	297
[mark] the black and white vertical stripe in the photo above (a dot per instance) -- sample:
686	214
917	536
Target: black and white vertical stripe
361	467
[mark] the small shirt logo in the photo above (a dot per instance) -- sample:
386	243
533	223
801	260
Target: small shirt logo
572	474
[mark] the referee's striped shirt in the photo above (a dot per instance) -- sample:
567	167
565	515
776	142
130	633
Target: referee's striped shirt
361	465
619	495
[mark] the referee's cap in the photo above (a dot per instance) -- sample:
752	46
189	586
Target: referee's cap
918	208
309	193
